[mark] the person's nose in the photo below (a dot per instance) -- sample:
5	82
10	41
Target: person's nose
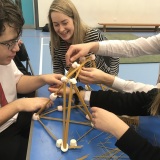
16	47
61	28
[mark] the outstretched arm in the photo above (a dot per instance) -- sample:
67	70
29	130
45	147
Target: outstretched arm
132	104
22	104
96	76
80	50
116	48
28	84
128	140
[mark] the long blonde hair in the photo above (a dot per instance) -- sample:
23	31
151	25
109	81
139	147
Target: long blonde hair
66	7
155	107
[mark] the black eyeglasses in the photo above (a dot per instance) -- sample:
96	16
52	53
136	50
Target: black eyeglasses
11	44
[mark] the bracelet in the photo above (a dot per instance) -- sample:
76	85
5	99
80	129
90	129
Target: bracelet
76	99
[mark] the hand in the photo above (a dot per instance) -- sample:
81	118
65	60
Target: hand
52	79
55	88
32	104
80	50
95	76
108	122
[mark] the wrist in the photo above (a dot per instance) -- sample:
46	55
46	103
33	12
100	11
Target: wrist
108	79
94	47
119	129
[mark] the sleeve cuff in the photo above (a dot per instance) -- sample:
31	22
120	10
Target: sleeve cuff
118	84
102	48
87	97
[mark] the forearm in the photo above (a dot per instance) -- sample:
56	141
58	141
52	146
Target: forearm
123	103
119	128
130	86
94	46
132	48
137	147
8	111
28	84
108	79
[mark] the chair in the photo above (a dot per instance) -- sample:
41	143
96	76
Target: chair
22	61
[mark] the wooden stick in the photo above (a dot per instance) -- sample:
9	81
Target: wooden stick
83	158
75	147
48	131
71	121
85	134
64	114
82	101
69	75
68	117
81	109
102	87
59	89
89	88
53	110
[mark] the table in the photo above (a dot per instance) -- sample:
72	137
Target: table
96	144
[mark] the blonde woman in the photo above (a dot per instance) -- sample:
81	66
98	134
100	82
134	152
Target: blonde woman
66	28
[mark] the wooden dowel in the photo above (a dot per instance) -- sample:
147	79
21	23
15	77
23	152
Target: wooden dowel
83	158
53	110
81	65
82	101
64	114
59	89
48	131
75	147
68	117
71	121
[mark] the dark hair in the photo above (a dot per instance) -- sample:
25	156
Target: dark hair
11	15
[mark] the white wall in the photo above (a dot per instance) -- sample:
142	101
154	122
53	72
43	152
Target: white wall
120	11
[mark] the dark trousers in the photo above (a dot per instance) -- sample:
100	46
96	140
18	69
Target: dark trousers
14	140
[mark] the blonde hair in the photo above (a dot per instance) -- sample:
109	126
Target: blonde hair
66	7
155	107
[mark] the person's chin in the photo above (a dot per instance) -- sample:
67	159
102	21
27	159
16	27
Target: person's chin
9	60
6	63
66	38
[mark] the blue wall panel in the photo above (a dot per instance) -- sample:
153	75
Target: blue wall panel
28	12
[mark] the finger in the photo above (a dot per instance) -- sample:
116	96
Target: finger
87	69
58	82
75	56
93	109
70	53
93	115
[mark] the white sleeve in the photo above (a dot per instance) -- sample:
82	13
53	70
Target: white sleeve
131	86
131	48
87	97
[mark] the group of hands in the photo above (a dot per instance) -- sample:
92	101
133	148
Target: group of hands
101	119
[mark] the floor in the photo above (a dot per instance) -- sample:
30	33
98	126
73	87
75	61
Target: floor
37	45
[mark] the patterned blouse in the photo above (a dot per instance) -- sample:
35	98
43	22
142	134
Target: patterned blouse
107	64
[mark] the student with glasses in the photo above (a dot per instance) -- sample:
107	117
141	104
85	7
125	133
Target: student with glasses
16	114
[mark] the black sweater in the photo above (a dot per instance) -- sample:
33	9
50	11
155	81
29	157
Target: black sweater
133	104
